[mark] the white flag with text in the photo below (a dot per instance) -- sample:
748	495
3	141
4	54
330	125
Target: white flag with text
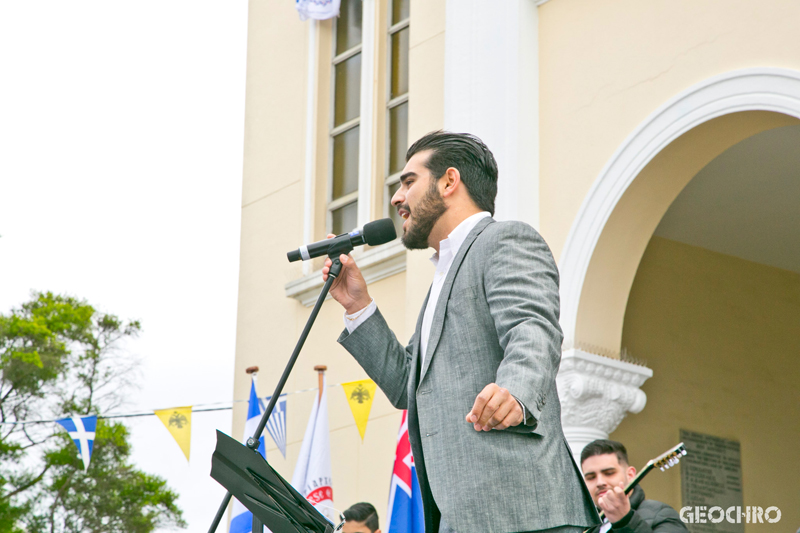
312	475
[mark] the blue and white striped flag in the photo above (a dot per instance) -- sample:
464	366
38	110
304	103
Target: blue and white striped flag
241	518
82	430
276	425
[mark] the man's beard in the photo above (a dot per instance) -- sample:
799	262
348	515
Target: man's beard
430	209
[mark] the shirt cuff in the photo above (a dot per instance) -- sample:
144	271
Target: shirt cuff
527	418
351	322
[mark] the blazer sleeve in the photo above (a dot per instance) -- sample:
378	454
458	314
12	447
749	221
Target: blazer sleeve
521	285
379	353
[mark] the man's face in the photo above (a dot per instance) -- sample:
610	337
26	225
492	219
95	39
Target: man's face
418	201
357	527
604	472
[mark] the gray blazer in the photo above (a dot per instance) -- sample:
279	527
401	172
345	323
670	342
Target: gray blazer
496	321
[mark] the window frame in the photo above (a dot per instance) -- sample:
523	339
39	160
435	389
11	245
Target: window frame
334	131
390	103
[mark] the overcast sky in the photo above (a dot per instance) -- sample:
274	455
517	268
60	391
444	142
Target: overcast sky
121	131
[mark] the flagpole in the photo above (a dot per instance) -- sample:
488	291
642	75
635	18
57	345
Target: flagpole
336	267
321	372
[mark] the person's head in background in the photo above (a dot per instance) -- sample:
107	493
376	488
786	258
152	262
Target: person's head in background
605	466
361	518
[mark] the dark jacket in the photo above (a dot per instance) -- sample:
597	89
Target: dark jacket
647	516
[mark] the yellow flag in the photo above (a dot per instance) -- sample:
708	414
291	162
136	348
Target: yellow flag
360	395
178	421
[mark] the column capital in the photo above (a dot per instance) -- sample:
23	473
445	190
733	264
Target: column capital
596	393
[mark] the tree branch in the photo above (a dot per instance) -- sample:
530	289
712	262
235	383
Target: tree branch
26	486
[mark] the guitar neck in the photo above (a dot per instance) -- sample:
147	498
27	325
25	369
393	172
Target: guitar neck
635	481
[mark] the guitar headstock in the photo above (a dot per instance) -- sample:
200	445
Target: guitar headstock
670	458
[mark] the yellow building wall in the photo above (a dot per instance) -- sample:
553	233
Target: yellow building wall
604	67
721	335
268	322
607	65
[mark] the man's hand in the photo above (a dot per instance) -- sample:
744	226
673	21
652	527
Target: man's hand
615	503
494	408
349	288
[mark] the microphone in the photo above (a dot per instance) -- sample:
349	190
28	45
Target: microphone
374	233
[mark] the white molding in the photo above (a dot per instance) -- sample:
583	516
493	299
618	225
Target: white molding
311	117
752	89
367	113
375	264
596	394
492	90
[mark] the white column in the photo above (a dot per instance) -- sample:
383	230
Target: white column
311	132
596	394
366	124
492	90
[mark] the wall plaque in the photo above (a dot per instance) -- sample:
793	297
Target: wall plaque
711	476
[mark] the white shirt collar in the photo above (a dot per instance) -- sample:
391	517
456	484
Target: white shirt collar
449	246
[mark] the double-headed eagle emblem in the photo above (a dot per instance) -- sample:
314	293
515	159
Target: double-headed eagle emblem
360	394
177	419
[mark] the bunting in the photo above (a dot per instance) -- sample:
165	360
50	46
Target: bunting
82	430
178	422
359	396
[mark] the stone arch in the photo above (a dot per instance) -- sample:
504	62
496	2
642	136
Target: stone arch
640	181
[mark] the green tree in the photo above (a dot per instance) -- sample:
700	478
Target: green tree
60	357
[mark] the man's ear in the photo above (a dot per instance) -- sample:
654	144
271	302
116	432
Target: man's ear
631	471
449	182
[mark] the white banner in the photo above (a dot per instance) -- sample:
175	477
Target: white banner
312	475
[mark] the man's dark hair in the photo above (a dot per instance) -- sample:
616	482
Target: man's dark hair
469	155
363	512
603	447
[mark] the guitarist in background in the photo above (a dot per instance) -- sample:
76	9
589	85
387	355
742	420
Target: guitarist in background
607	473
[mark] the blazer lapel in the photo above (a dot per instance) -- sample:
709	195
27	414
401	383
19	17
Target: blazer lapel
444	296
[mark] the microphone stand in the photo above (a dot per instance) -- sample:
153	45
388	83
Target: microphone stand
342	247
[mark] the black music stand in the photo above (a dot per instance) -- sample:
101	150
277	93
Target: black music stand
271	499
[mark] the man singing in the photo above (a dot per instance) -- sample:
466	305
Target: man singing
478	375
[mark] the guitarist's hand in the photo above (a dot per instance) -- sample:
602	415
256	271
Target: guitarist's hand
615	503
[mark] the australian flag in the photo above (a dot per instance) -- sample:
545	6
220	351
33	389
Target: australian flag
405	500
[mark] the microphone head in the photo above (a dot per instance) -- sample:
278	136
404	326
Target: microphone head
379	232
